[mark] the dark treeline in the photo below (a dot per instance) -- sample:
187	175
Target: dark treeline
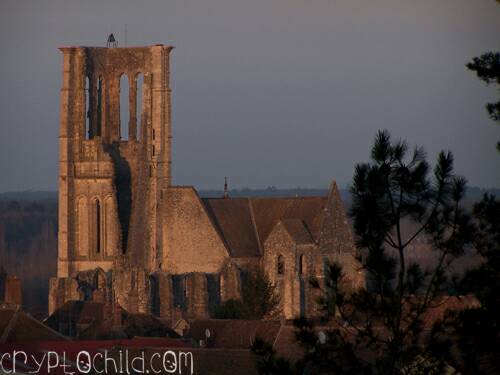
49	198
28	247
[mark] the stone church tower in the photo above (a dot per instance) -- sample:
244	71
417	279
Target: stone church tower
112	166
129	237
104	176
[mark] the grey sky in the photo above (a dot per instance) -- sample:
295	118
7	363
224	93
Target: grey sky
268	92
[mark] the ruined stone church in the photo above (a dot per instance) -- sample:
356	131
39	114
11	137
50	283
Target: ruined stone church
129	236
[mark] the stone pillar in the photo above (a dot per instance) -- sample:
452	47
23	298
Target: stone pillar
197	295
165	294
142	291
230	283
159	123
72	128
132	100
113	107
93	96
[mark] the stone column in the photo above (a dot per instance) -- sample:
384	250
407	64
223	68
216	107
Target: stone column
93	81
165	293
70	134
113	107
197	295
132	100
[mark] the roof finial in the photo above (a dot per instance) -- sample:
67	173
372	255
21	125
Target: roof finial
226	191
111	41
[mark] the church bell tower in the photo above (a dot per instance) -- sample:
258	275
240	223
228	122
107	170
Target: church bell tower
115	156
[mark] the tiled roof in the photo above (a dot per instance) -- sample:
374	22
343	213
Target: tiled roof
227	333
245	223
77	311
224	361
147	325
297	230
286	344
19	327
268	211
233	219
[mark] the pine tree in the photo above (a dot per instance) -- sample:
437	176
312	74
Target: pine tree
487	68
380	330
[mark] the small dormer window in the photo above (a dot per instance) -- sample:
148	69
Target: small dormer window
280	267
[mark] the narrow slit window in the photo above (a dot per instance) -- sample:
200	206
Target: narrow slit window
302	264
280	266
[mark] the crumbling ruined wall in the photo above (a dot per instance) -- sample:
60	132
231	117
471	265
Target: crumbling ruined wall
131	288
61	290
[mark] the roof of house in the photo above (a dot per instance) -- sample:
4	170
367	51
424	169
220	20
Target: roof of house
77	312
286	344
18	327
136	325
240	334
228	333
441	304
225	361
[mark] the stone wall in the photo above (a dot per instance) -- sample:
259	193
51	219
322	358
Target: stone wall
191	242
299	264
336	236
280	265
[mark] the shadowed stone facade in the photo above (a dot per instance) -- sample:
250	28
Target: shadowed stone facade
127	236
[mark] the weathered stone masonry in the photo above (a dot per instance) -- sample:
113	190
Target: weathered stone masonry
128	237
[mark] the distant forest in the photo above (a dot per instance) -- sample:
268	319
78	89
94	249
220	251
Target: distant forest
50	197
28	234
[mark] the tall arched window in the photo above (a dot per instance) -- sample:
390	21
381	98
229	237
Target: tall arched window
83	227
97	223
280	265
109	240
